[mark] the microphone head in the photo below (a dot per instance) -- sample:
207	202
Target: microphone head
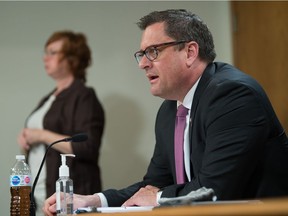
81	137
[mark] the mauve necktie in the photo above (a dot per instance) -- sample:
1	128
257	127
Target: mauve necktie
179	143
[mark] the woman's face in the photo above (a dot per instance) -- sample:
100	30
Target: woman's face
55	64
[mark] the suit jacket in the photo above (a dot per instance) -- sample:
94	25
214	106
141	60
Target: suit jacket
238	147
76	110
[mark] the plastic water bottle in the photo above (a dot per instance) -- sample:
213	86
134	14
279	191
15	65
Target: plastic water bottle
20	187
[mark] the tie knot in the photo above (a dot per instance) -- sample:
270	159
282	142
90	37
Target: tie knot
182	111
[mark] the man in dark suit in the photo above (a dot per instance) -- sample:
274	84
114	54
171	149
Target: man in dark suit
233	141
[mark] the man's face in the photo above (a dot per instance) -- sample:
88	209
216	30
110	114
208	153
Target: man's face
166	73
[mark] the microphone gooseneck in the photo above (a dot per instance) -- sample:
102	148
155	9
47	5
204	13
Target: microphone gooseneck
76	138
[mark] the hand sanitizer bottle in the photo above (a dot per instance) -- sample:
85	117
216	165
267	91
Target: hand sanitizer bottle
64	189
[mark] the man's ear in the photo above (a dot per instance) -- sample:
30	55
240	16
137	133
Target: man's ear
192	52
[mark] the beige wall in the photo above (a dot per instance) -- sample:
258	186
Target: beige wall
123	89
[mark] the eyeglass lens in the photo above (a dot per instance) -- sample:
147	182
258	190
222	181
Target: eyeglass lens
151	52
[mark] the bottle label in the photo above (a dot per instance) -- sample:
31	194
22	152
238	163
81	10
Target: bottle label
20	180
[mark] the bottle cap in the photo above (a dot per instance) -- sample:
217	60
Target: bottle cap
20	157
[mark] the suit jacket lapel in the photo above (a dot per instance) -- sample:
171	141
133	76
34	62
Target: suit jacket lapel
203	83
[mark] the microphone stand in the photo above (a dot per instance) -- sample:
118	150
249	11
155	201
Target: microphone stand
32	201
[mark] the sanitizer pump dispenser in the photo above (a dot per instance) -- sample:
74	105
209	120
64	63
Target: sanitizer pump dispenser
64	189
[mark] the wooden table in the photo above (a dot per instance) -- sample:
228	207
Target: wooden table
265	207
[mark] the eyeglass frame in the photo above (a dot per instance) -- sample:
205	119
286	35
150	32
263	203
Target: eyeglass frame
50	53
140	54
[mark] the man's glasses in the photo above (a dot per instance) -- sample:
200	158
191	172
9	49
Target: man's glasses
151	52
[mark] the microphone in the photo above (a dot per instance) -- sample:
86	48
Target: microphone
76	138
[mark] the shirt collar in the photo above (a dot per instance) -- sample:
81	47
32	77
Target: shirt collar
188	99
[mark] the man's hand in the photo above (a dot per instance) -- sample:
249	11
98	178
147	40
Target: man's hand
146	196
49	207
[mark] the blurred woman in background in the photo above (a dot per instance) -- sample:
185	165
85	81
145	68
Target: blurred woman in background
69	109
